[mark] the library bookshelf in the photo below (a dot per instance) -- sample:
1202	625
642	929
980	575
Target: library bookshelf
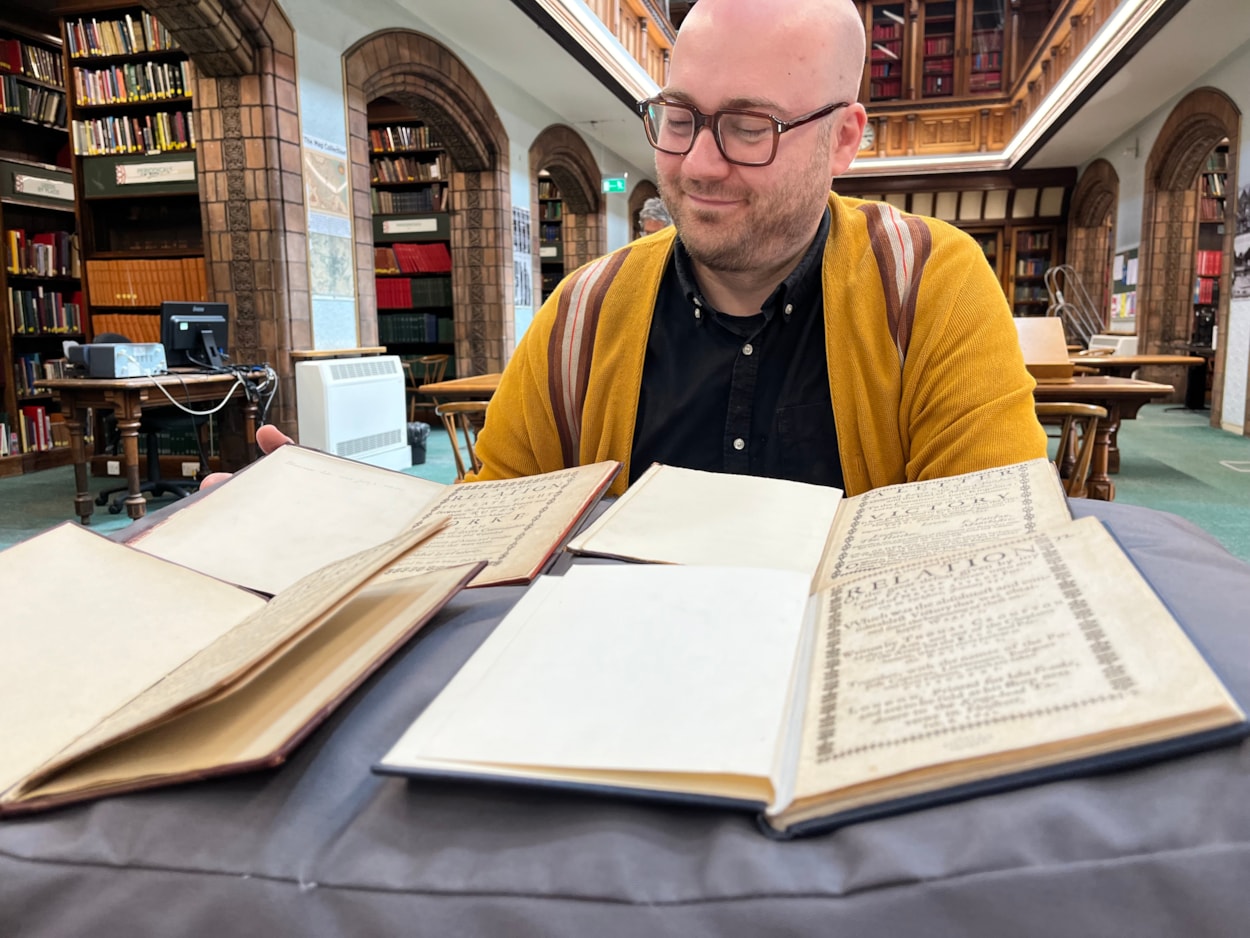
550	234
410	194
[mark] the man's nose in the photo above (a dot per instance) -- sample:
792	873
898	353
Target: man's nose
705	157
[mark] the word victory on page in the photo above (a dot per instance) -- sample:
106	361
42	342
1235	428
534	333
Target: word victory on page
142	672
297	509
922	682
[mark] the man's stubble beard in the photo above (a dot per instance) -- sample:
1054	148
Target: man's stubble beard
765	234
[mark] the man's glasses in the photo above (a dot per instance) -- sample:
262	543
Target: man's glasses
747	138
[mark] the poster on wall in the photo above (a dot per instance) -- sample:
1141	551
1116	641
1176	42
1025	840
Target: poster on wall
1123	319
331	267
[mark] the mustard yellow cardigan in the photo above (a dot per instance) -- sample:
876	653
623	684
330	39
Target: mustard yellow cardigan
925	369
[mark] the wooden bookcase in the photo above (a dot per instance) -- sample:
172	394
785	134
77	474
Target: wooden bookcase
550	234
1033	251
410	180
1209	246
40	291
934	50
132	131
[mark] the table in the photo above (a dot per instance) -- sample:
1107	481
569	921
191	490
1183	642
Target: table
473	388
321	847
1123	366
128	398
1123	398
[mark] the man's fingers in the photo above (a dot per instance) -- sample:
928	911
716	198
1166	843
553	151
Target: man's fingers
269	438
213	478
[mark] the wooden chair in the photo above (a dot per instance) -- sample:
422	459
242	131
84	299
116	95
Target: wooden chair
1078	430
424	370
463	417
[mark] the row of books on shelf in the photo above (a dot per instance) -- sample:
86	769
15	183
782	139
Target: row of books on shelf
31	102
1213	185
985	81
551	211
1210	209
1031	266
40	312
1206	290
938	84
136	327
131	82
425	199
1208	263
547	189
987	40
145	282
23	58
885	53
413	292
883	70
41	254
130	34
985	61
27	369
940	45
163	132
416	327
401	137
887	31
1033	241
944	66
431	257
408	169
34	430
1030	293
550	231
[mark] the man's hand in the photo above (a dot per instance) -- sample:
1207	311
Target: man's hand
268	438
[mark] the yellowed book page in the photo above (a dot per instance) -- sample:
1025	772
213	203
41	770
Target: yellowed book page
897	523
253	723
247	645
88	625
624	669
1020	648
288	514
686	516
513	524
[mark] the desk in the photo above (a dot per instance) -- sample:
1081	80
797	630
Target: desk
473	388
1123	366
320	847
128	398
1123	398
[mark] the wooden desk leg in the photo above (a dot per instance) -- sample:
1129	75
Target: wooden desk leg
76	424
250	412
1113	448
1100	485
136	506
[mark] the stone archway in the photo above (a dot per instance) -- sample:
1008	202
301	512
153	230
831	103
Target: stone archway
563	153
1200	121
428	78
249	167
1091	232
644	190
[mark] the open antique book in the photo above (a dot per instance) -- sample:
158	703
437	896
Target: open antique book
921	682
673	515
138	672
298	509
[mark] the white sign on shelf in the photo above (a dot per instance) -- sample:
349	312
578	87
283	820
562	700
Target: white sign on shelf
548	252
130	174
410	226
45	188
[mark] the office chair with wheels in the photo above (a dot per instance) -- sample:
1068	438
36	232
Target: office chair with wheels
152	424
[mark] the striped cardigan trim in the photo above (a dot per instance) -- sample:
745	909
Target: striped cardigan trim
901	245
571	345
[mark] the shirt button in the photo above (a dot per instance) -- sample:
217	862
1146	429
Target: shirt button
789	308
747	349
740	444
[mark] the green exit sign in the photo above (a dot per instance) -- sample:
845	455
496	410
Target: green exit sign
613	183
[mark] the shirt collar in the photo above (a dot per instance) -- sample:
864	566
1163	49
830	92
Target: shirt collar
796	292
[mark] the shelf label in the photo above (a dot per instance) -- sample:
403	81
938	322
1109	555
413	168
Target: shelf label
130	174
549	252
410	226
44	188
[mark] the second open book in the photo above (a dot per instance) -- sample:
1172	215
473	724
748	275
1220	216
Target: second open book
961	635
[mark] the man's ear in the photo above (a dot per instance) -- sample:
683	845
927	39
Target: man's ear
844	142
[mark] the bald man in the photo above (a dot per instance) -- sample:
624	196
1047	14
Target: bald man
777	329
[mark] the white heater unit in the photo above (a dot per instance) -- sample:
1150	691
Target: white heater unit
355	407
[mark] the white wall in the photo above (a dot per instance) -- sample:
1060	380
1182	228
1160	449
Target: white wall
325	29
1129	154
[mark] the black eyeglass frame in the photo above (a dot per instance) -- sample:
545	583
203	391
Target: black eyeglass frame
702	120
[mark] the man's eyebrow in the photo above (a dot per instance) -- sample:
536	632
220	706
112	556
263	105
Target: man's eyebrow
750	104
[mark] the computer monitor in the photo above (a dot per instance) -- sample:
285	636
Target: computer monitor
194	334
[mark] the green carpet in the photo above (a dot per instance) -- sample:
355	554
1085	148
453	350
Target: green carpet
1171	460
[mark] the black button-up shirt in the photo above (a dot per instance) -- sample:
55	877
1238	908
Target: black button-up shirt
741	394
